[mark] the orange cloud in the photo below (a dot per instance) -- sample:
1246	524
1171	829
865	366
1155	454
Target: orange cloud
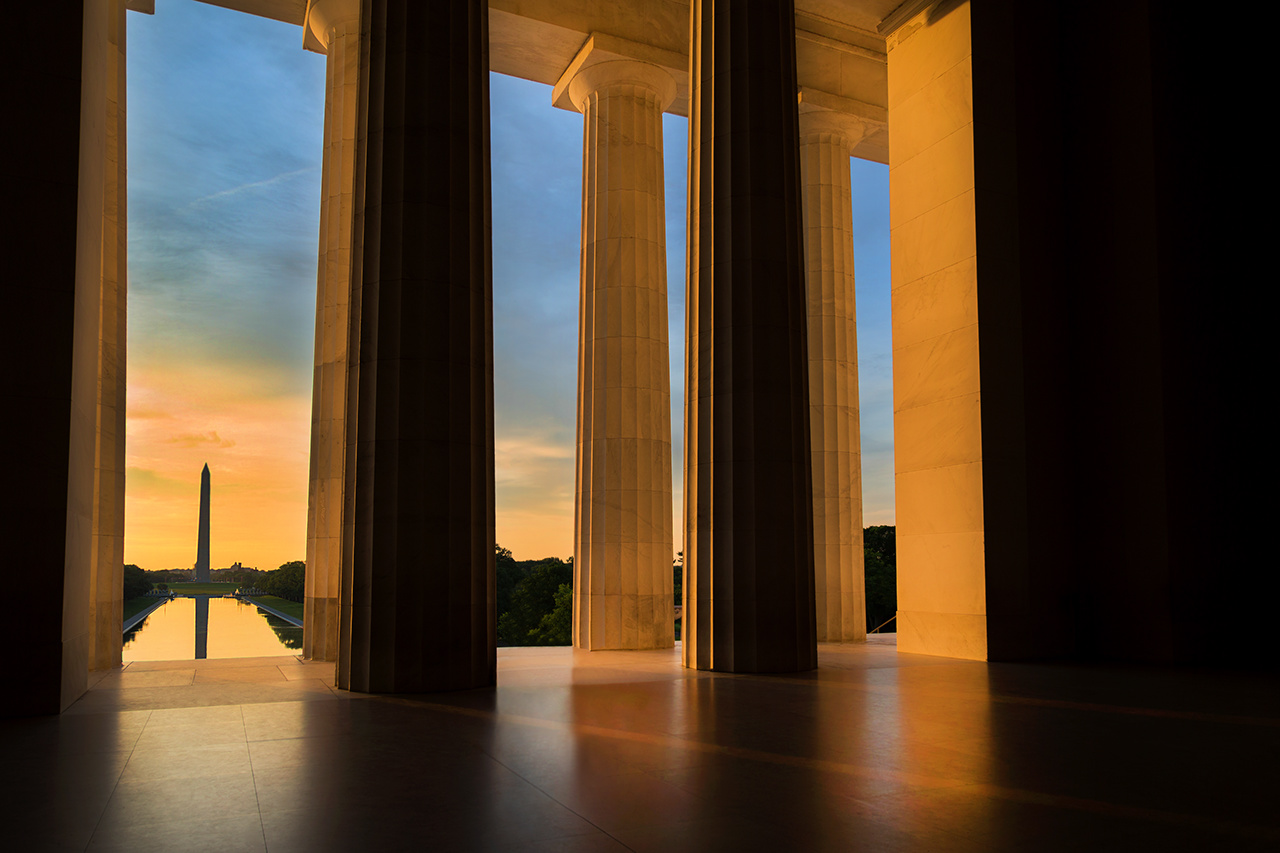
259	479
210	439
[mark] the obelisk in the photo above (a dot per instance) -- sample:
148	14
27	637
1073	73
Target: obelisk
202	548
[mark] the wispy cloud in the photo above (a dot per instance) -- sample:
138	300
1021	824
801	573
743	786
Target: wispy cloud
283	176
201	439
222	293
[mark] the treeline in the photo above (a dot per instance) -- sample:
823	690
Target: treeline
880	564
535	600
535	597
289	581
242	576
136	582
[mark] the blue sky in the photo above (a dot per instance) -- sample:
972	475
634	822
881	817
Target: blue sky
225	113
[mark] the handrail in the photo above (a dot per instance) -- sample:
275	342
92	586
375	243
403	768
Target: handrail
882	624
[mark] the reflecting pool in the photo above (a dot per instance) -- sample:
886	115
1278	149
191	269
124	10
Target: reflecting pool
209	627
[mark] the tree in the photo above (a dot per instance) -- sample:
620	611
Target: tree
880	563
508	574
882	538
136	582
289	581
677	577
532	599
556	627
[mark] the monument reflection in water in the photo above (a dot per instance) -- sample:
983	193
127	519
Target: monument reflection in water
204	626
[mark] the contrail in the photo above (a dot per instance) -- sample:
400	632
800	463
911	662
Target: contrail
284	176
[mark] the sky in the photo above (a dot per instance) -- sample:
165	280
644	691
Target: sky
225	118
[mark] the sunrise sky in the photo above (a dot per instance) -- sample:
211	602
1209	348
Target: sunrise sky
224	135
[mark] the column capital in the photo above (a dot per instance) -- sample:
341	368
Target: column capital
324	17
602	48
593	78
851	128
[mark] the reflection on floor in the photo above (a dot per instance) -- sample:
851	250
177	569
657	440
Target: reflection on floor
597	751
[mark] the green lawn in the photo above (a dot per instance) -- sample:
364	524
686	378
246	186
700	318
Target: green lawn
203	588
284	605
134	606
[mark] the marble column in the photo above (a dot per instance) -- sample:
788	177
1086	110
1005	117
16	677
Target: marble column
336	26
826	143
106	571
623	538
749	576
49	338
418	595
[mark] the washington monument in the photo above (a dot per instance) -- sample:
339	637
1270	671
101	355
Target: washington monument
202	547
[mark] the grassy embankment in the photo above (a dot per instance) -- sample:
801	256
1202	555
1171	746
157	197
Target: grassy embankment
284	605
134	606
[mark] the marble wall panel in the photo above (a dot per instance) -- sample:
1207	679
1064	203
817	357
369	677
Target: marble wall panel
937	400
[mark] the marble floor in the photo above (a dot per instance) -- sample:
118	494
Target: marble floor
608	751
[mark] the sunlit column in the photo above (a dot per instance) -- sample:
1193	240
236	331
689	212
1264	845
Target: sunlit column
336	25
748	586
418	594
826	143
106	584
623	537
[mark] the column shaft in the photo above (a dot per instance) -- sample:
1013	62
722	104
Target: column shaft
329	388
106	579
839	586
418	594
749	603
52	286
623	537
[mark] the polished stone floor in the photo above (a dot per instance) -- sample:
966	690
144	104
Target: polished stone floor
607	751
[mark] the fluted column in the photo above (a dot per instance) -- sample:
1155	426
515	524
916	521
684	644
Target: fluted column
336	25
623	538
106	579
826	143
418	595
749	603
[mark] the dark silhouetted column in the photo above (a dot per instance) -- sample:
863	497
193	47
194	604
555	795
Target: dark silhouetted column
49	337
749	582
418	594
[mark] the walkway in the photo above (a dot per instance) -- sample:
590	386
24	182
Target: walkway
628	751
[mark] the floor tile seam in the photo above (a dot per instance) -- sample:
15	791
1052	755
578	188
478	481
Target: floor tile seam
1041	798
557	801
116	787
253	774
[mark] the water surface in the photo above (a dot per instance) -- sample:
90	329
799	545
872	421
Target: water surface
232	629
